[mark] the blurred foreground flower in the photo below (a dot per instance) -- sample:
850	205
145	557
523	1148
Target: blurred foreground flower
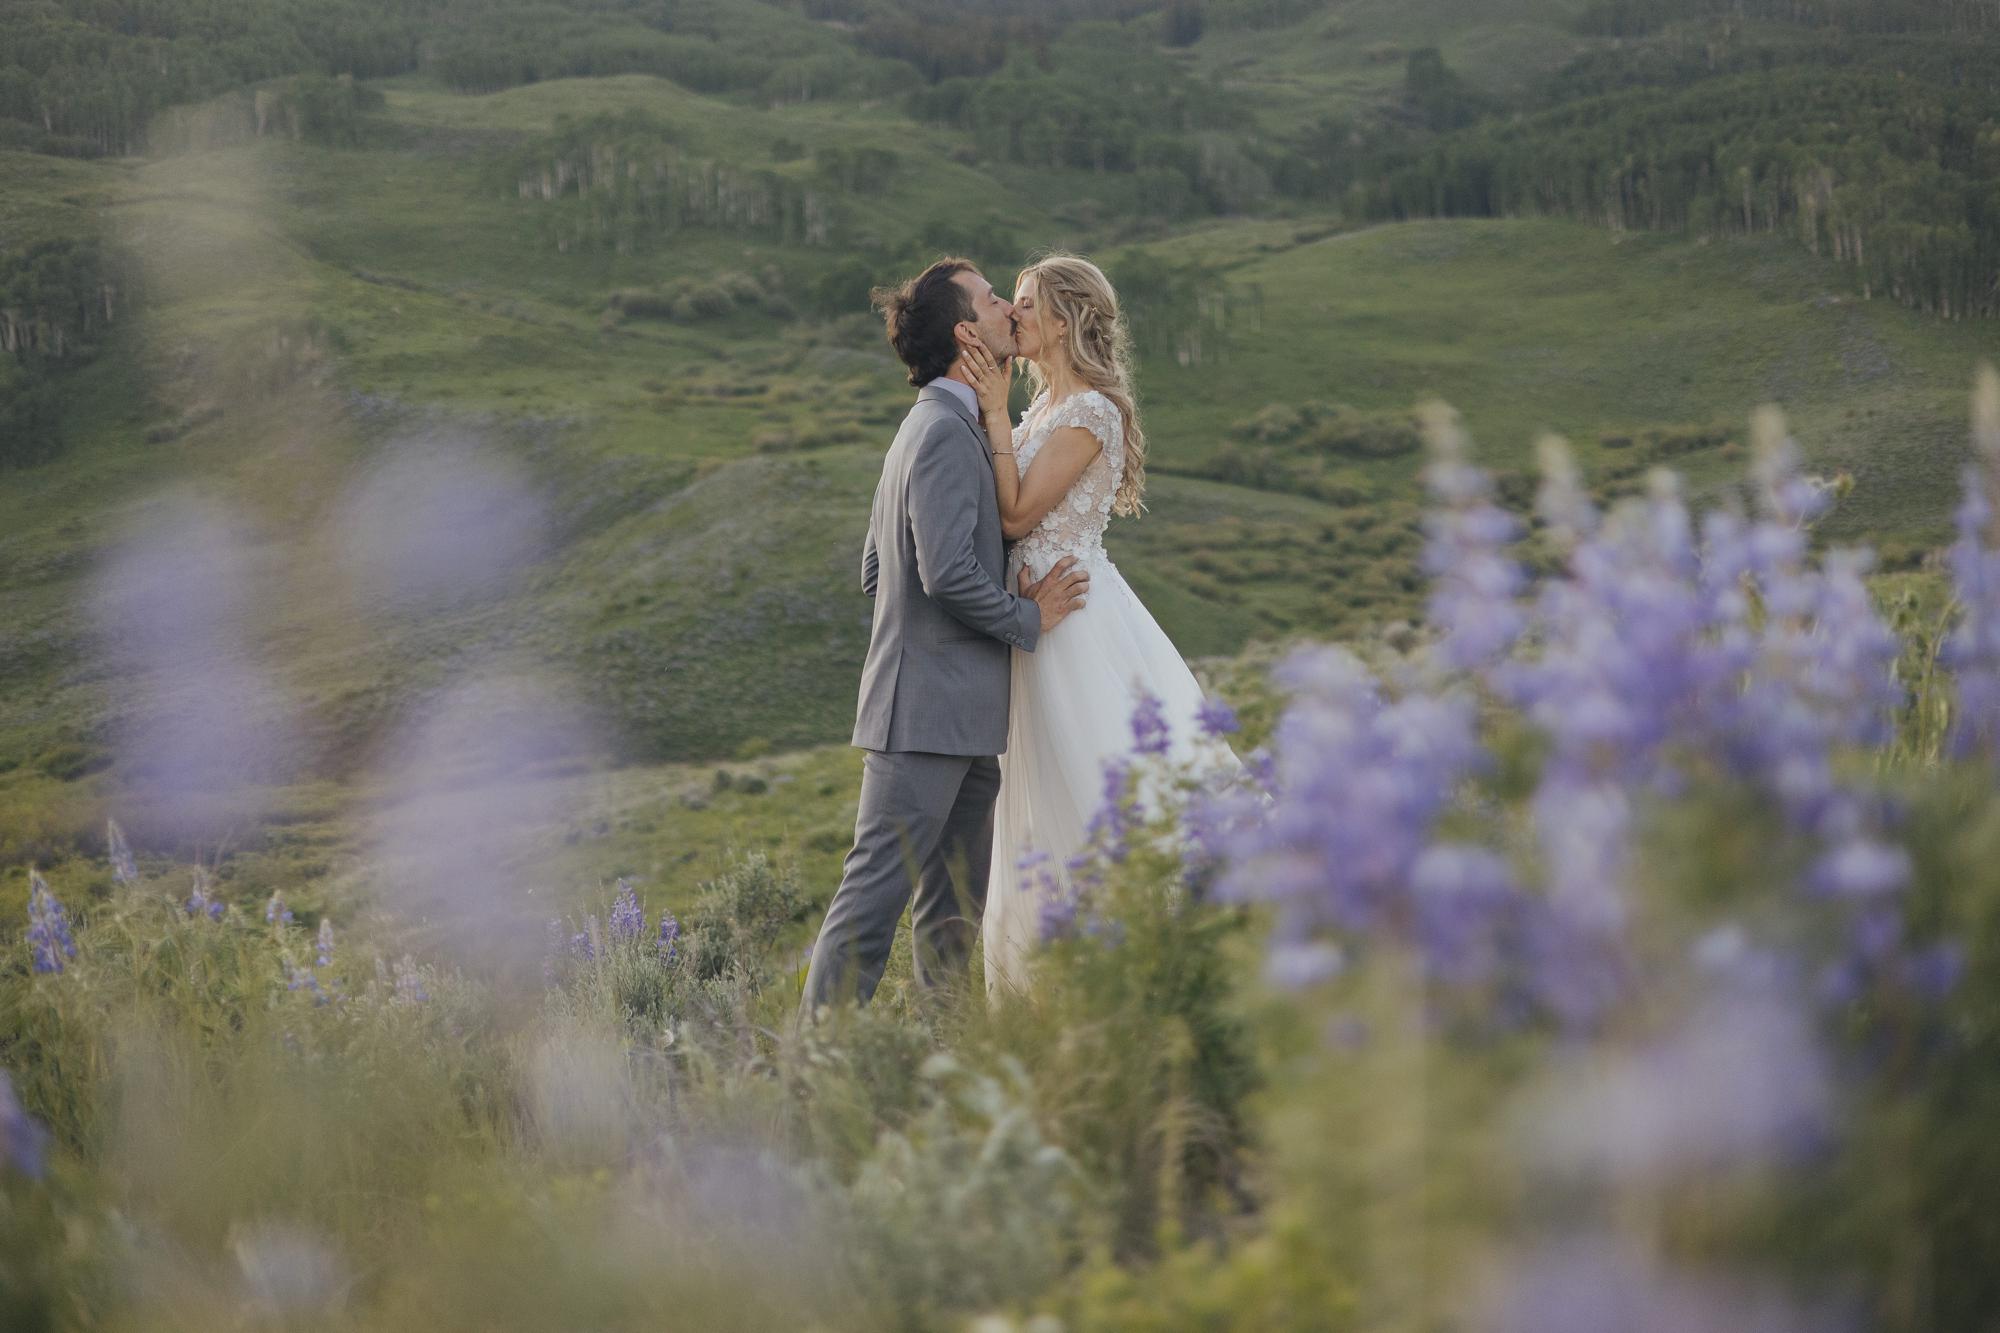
1474	582
1598	1284
23	1141
1216	718
1972	651
287	1270
1651	662
1740	1083
1150	734
1361	783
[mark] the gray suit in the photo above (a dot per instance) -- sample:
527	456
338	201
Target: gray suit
933	707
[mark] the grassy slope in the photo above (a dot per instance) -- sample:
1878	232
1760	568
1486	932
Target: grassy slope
700	595
1547	325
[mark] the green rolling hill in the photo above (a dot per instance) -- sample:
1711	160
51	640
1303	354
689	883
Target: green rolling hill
625	316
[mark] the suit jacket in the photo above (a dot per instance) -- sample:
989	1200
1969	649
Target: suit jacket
937	674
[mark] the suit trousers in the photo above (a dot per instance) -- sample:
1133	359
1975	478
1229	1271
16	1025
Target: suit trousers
924	829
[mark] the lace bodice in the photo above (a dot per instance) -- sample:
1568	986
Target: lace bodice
1076	525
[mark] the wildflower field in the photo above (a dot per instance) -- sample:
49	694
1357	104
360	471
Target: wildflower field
1621	956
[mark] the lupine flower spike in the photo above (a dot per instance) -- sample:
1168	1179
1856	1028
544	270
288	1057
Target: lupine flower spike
201	902
1216	718
1973	649
409	982
1474	583
628	919
299	978
1149	727
48	926
1348	847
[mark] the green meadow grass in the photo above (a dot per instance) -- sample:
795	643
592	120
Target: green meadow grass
1541	325
708	482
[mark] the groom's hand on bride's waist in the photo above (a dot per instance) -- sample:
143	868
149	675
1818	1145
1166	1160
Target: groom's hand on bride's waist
1058	592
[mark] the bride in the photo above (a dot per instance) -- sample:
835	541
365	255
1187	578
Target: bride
1077	457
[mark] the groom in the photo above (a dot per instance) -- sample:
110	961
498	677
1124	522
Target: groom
933	710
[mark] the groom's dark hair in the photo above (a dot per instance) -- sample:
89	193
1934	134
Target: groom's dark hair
921	315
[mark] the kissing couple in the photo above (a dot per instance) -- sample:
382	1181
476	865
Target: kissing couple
1007	655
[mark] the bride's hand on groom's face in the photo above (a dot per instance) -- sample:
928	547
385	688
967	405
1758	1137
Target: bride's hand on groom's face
987	375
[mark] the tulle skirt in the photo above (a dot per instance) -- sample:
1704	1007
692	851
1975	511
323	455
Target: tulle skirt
1070	716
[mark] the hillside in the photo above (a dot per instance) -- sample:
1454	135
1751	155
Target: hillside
610	331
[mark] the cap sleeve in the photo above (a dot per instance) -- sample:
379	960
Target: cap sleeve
1097	414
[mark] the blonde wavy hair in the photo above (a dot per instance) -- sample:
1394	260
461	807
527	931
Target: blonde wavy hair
1075	291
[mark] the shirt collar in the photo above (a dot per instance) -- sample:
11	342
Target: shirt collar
959	387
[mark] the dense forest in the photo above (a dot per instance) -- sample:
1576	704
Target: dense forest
1637	18
58	296
1868	126
1902	183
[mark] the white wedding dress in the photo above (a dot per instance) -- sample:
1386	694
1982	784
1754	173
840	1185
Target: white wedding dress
1074	696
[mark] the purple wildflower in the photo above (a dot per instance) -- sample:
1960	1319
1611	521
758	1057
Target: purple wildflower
1474	583
1739	1081
1934	971
298	978
1361	782
23	1140
1149	726
1056	894
201	902
1860	869
1658	661
123	868
48	926
1464	899
628	919
1215	815
324	943
275	911
1110	828
1302	965
409	982
669	938
1972	651
1587	1283
1058	914
1216	718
